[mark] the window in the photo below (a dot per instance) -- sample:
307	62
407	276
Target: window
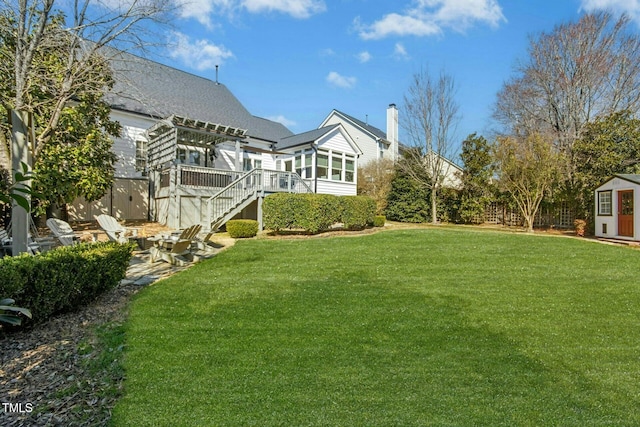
336	167
182	155
604	202
141	156
322	170
299	164
246	165
194	157
288	165
308	168
349	169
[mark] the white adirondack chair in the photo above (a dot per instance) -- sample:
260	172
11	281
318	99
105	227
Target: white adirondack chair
62	231
6	242
115	231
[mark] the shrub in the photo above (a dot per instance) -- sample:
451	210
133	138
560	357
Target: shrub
314	213
379	220
63	279
357	211
240	228
407	201
580	226
310	212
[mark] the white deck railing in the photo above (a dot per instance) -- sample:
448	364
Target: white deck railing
248	186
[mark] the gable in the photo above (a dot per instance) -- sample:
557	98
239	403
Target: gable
617	180
347	120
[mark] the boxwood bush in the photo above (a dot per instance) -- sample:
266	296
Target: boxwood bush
239	228
357	211
379	220
65	278
314	213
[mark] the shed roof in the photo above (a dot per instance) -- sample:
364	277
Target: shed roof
631	177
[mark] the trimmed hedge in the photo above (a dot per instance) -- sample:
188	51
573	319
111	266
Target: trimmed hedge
239	228
314	213
65	278
357	211
379	220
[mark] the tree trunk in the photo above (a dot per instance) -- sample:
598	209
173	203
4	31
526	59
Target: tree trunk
434	207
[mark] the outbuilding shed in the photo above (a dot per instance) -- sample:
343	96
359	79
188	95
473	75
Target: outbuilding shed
616	202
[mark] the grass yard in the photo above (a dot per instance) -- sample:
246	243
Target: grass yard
400	328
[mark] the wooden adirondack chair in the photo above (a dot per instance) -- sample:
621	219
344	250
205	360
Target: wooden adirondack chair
115	231
175	252
63	232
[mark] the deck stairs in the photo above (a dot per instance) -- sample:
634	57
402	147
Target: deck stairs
239	194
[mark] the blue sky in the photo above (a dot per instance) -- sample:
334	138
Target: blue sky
294	61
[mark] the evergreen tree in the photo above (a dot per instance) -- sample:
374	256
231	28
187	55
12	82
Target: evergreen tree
477	189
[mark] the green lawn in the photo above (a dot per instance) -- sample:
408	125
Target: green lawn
402	328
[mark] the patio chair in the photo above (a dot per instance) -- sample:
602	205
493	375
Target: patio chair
63	232
115	231
6	244
175	251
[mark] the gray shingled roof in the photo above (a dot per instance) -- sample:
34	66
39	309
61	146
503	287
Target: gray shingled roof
631	177
371	129
305	138
150	88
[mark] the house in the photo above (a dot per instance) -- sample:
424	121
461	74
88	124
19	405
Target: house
616	200
373	143
190	152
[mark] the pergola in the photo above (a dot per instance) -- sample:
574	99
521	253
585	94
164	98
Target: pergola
166	135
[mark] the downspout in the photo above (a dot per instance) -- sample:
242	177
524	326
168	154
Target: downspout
314	147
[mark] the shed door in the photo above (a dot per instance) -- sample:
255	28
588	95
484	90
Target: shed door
625	213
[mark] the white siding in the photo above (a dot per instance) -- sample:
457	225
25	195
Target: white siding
336	141
336	188
133	128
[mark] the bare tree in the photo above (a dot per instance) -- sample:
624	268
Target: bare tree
526	168
430	117
90	28
573	74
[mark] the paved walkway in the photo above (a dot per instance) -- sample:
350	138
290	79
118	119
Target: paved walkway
141	272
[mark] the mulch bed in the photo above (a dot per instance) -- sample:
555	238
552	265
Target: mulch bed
43	374
42	369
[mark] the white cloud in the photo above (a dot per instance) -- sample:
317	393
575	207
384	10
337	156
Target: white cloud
202	10
364	57
400	25
200	54
296	8
282	119
430	17
327	52
338	80
630	7
400	52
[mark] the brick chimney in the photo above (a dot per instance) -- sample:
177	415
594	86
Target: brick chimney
392	131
